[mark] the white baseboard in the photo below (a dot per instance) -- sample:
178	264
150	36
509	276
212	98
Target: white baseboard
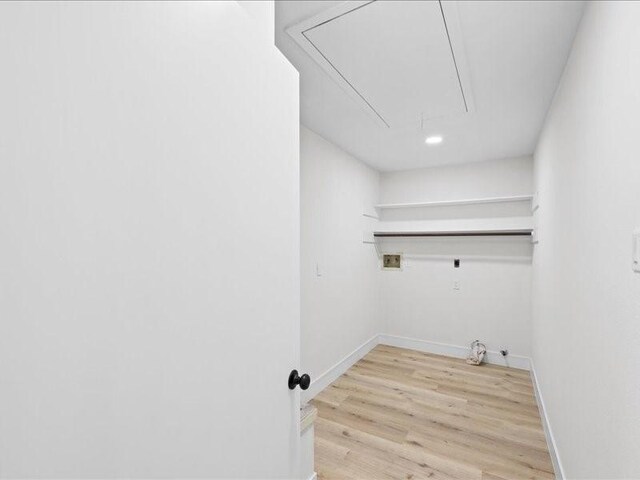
548	433
332	374
495	358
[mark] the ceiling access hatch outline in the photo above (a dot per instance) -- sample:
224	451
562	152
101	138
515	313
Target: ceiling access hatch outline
407	113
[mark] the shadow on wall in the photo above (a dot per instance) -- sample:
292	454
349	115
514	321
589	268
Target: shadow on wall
495	210
498	249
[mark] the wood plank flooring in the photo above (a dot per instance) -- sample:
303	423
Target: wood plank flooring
402	414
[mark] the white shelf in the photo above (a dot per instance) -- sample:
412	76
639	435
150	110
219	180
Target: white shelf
467	201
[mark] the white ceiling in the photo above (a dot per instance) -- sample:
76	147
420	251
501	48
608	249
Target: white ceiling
399	62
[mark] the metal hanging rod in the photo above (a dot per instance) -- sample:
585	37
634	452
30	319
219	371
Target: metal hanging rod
486	233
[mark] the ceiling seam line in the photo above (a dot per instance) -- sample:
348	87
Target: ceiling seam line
337	16
347	81
453	55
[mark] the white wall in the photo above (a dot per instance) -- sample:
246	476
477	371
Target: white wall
149	273
586	320
493	303
340	307
472	180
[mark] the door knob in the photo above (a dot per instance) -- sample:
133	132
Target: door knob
294	379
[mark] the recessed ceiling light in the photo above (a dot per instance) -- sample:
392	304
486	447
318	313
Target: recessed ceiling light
434	140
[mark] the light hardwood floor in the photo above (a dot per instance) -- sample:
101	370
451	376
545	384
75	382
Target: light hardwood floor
402	414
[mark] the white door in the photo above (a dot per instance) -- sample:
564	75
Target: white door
149	243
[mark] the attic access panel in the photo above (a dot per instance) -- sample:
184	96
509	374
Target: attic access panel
401	61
